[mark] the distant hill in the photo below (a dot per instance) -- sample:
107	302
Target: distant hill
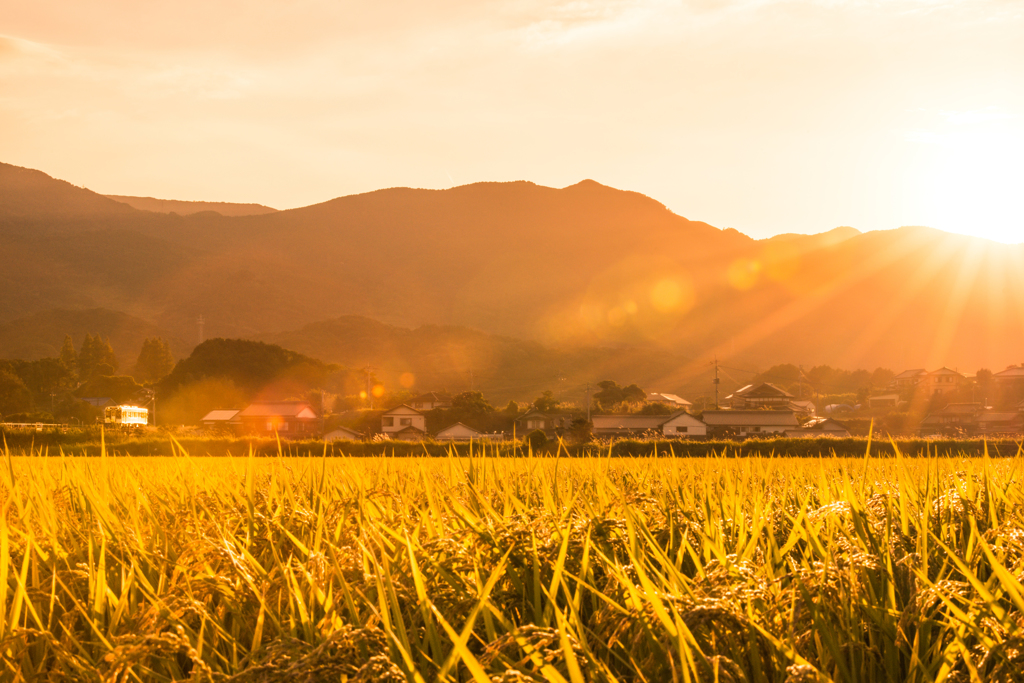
41	335
187	208
586	266
455	359
32	196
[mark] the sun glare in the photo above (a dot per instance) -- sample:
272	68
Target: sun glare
972	175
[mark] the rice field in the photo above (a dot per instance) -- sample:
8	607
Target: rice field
509	570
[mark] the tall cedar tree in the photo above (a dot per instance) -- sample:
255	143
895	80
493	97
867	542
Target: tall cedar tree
155	361
68	357
96	357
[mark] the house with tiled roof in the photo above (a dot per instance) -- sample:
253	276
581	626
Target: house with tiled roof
747	423
760	395
398	418
430	401
291	419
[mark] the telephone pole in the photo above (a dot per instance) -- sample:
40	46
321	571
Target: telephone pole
201	323
588	401
716	382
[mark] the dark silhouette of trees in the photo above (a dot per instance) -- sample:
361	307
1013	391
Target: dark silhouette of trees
611	394
155	361
68	356
95	358
546	402
14	395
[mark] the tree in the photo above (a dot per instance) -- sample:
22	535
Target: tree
155	361
471	403
14	395
96	357
546	402
512	409
190	403
656	409
120	388
68	357
611	394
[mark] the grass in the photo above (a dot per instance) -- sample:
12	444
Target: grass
505	570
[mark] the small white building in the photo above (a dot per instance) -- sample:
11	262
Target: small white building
682	425
431	400
397	419
222	418
668	399
458	432
343	434
884	401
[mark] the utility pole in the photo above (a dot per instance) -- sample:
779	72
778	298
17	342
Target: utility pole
588	401
201	323
800	381
716	382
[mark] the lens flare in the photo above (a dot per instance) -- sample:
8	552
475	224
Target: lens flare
378	390
672	295
743	273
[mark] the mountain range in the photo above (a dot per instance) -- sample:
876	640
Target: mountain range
578	281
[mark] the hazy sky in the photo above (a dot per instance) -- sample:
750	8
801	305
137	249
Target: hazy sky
764	115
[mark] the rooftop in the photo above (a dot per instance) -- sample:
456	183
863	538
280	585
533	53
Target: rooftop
752	418
628	421
279	409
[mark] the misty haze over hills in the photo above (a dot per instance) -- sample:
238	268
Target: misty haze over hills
509	278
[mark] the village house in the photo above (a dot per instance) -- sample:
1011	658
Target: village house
668	399
399	418
747	423
885	401
343	434
997	424
458	432
290	419
954	419
678	425
1012	374
552	425
408	433
907	379
682	425
627	425
940	382
223	419
430	401
758	396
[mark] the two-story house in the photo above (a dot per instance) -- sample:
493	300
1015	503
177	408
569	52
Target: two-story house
403	422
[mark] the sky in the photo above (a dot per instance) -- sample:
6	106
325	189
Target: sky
767	116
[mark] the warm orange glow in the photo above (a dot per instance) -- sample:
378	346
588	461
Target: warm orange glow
802	115
378	390
407	380
743	273
673	295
